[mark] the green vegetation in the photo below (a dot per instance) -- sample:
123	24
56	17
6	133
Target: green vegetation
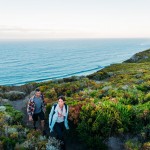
112	101
11	130
13	135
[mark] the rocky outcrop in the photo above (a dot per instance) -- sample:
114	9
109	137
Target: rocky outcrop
140	57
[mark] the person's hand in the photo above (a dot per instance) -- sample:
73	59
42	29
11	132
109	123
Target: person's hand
67	128
51	130
44	109
67	131
30	118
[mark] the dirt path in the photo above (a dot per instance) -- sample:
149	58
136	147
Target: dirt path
21	106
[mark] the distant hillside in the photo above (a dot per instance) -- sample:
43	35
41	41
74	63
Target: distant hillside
127	67
143	56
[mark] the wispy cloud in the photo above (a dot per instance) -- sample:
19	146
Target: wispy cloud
4	28
21	32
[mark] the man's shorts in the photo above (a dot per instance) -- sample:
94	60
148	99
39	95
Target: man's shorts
40	115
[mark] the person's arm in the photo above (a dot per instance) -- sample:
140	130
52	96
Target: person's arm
50	117
67	126
44	106
30	109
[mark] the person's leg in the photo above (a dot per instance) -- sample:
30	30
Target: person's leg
63	141
62	135
34	125
42	118
42	125
35	119
58	128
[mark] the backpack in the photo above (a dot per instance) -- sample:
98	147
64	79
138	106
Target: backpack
54	111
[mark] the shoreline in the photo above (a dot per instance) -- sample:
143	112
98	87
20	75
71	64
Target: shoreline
76	74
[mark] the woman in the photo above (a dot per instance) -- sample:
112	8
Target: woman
58	118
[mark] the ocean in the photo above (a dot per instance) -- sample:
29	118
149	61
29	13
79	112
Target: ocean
23	61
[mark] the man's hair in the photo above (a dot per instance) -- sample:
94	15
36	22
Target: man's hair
62	97
37	90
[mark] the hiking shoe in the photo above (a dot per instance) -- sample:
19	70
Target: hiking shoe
62	146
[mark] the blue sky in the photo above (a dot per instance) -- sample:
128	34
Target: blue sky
74	19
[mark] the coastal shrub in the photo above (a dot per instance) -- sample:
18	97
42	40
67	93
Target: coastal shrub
43	88
72	78
127	97
34	140
147	97
74	112
133	144
8	143
79	88
53	144
146	146
10	132
48	109
14	95
88	131
145	133
100	75
145	86
2	108
16	116
103	120
142	112
51	94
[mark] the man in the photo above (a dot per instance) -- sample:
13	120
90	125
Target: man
58	118
36	109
